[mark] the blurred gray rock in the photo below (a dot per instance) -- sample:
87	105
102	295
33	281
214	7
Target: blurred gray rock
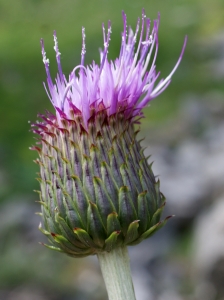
208	254
191	169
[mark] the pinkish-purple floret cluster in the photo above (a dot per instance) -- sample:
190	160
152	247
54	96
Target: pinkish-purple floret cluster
128	82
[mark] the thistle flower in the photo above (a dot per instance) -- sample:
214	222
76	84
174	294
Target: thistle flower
98	191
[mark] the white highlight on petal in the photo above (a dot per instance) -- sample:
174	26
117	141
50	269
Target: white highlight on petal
45	59
83	52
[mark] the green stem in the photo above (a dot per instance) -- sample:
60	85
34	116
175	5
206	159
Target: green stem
116	272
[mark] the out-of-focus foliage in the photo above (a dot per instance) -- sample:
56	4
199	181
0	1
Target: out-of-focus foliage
22	96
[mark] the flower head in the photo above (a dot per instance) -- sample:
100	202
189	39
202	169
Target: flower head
128	82
98	191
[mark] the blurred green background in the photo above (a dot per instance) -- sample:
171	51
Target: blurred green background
29	271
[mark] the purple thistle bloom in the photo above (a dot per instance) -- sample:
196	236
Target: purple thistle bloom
127	83
97	190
